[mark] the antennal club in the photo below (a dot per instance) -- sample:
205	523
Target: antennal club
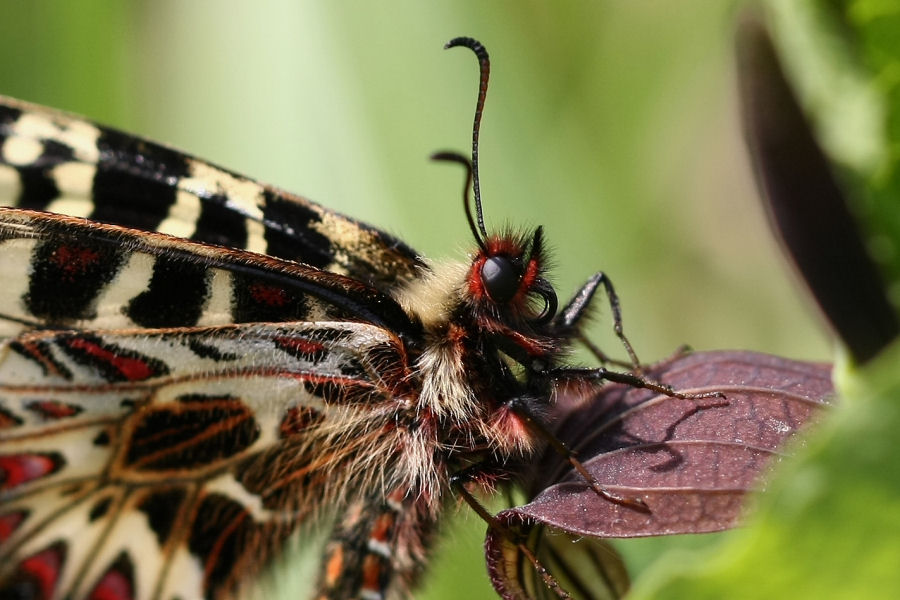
484	63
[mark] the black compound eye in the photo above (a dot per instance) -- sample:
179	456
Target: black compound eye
500	278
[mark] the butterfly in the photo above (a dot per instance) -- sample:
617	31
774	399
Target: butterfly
194	365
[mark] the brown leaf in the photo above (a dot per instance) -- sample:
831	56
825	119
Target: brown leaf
690	461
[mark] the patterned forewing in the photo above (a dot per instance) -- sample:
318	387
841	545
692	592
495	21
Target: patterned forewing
112	443
191	364
60	163
68	273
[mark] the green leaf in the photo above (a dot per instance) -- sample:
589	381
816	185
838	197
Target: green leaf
829	522
844	59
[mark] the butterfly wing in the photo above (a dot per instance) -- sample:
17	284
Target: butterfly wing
187	372
160	431
55	162
69	273
191	452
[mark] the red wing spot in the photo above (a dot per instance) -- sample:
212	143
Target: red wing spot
114	585
268	294
16	469
53	409
131	368
301	348
299	345
74	260
42	569
9	522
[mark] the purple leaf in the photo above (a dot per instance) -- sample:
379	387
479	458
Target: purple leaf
690	461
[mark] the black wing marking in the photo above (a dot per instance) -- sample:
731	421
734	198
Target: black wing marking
56	162
63	272
178	460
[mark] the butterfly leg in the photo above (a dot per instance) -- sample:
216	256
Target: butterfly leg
570	317
522	409
379	545
636	381
458	482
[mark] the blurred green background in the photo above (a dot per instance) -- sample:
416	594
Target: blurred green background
612	123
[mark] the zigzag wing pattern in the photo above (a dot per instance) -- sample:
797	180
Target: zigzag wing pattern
228	422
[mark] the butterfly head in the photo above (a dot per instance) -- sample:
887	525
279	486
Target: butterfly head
505	282
506	279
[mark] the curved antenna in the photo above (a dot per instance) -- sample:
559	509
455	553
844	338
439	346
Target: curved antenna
456	157
485	65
